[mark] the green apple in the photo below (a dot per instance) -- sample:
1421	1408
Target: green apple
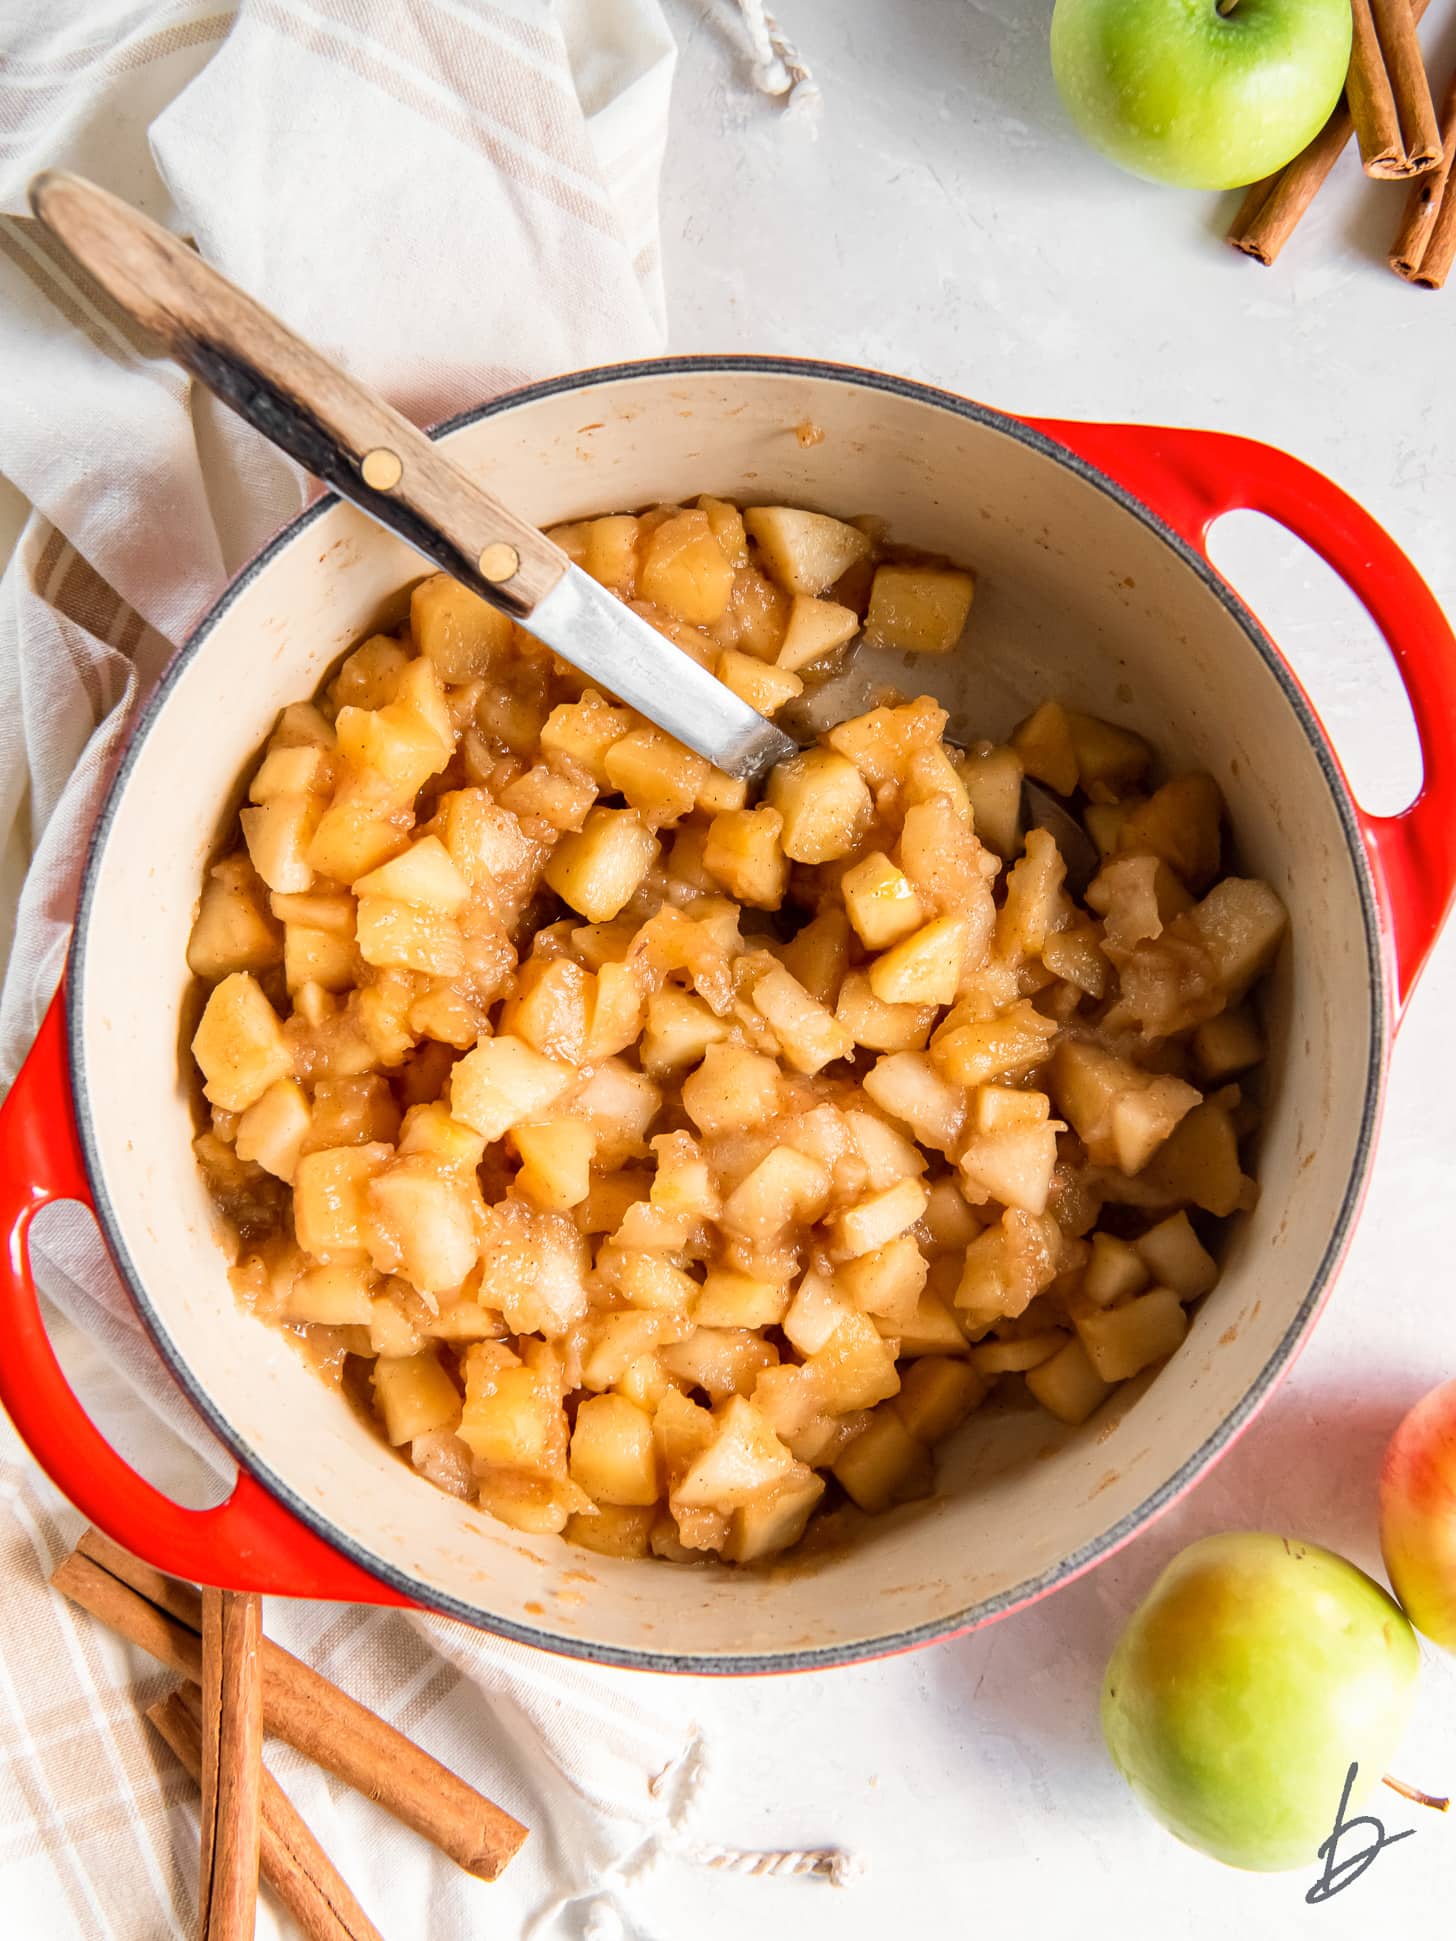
1207	94
1254	1674
1418	1515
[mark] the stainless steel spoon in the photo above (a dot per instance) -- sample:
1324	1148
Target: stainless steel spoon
350	438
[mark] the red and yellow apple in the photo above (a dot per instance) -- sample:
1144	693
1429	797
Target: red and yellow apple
1418	1515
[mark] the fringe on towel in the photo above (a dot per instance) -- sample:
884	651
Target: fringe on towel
778	66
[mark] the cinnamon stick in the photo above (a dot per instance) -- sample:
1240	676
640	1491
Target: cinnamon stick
1420	135
1271	210
294	1865
232	1763
1371	97
1425	245
303	1708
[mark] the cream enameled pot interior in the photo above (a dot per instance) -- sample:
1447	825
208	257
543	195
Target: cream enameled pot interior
1078	597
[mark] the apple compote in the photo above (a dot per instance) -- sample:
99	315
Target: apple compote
650	1160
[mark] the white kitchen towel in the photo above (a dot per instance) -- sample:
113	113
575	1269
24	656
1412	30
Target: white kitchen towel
453	195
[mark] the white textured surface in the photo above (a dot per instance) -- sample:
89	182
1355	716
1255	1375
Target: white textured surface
946	224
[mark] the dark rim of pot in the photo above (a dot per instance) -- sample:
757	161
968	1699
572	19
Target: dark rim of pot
1107	1541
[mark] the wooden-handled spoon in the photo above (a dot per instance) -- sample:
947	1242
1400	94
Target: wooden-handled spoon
350	438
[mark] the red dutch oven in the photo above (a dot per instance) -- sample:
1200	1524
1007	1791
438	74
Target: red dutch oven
1094	587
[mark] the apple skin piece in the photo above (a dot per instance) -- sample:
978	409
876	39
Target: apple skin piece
1179	92
1253	1674
1418	1515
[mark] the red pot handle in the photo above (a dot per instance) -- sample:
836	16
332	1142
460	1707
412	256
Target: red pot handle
1190	478
250	1542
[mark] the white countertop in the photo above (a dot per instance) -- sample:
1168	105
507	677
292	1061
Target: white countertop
948	225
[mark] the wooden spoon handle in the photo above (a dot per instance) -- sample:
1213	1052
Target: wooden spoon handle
337	429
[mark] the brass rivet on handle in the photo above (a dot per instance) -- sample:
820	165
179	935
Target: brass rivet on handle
381	469
499	562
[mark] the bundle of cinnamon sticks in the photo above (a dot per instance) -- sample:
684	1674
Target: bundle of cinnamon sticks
241	1685
1388	107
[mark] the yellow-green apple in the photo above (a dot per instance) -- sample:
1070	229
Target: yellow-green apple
1418	1515
1207	94
1254	1674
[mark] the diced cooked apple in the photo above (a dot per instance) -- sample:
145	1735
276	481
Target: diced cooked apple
233	930
612	1452
1017	1353
392	1330
556	1157
774	1519
503	1083
279	834
1176	1258
720	1361
809	1035
743	852
1120	1113
614	1012
923	968
1114	1272
880	902
1110	760
875	1221
680	1029
1007	1266
1013	1165
414	1395
1033	899
610	552
1121	1341
273	1128
1227	1045
918	609
582	731
354	835
816	629
728	1299
936	1395
620	1105
818	1307
1240	924
726	522
424	874
992	776
406	936
319	957
1046	749
456	630
762	686
885	1465
887	1281
879	1026
1181	822
948	1223
805	551
856	1366
239	1043
683	569
974	1051
1199	1164
612	1529
932	1330
655	774
824	803
819	953
400	746
784	1186
369	678
907	1086
421	1223
882	742
1067	1385
743	1457
333	1297
598	870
